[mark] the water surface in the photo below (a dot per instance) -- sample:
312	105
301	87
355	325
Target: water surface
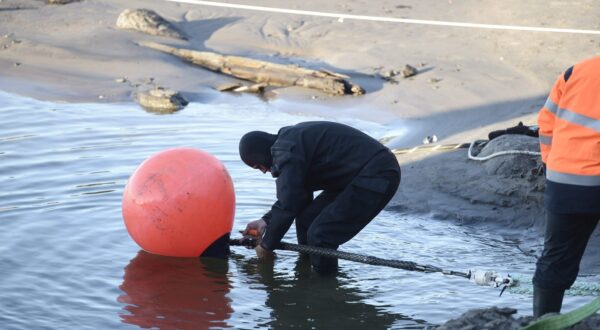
67	262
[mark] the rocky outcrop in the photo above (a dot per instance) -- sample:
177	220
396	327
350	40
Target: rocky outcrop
149	22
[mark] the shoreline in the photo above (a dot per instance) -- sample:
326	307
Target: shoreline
469	81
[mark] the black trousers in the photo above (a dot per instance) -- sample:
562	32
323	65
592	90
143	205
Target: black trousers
334	217
566	237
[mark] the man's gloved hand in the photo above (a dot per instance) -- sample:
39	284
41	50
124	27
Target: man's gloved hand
257	228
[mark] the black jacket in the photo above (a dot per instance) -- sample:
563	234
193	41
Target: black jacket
313	156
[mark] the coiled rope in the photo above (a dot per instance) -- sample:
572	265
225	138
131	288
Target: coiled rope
471	146
480	143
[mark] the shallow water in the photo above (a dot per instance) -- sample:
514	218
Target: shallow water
67	262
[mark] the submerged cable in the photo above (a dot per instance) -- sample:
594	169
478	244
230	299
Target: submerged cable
365	259
518	284
477	277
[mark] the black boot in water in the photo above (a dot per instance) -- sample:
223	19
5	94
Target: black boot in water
546	301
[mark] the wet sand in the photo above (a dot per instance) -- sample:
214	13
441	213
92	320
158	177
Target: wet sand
470	81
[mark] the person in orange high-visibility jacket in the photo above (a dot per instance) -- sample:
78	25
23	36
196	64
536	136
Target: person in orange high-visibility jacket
569	132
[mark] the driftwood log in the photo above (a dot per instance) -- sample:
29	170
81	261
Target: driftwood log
272	74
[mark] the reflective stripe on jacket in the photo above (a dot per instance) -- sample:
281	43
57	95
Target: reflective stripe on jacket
569	127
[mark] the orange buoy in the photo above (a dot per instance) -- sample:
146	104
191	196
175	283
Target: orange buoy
178	202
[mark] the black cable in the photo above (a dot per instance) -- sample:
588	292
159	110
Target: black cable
325	252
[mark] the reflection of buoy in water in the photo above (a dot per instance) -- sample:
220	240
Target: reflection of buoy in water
178	202
176	293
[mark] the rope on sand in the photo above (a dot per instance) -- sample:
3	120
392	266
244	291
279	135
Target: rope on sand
342	17
471	146
438	147
499	153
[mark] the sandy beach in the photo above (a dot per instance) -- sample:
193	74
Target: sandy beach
470	80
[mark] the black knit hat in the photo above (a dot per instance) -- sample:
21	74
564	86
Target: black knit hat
255	148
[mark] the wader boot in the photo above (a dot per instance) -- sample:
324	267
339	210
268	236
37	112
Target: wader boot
546	301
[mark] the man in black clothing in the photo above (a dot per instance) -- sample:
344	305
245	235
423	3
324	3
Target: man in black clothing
356	174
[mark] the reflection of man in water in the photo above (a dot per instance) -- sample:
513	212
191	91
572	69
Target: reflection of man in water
306	301
356	174
176	293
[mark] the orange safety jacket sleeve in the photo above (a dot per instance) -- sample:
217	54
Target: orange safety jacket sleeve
547	116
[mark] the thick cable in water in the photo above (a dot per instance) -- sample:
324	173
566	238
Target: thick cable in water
371	260
406	265
513	283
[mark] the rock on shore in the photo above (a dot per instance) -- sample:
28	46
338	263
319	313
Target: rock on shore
161	100
149	22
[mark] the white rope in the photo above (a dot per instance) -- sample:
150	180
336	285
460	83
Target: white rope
450	147
439	147
499	153
522	284
341	17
